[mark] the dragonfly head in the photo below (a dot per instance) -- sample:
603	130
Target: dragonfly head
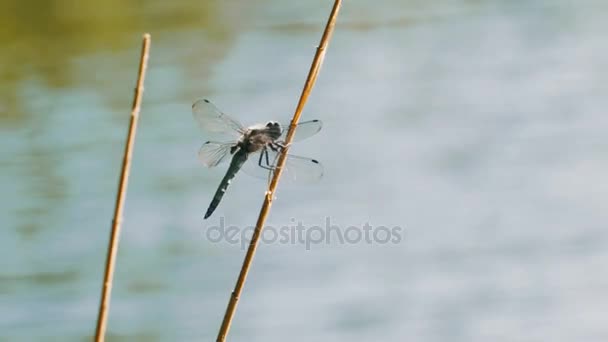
274	129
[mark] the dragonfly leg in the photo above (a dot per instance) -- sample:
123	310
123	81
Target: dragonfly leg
260	160
281	144
267	159
267	166
277	146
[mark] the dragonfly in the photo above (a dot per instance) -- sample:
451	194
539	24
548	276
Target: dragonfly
255	149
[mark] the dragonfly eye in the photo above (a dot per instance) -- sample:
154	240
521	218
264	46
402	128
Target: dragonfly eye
274	129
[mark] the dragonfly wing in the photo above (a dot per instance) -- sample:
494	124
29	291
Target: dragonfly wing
296	170
305	129
212	121
213	153
302	170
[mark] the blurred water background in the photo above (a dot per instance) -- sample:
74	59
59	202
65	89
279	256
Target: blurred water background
479	127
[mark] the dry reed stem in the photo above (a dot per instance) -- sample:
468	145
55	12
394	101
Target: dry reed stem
106	290
310	81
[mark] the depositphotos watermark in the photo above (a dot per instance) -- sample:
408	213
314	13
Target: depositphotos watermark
307	235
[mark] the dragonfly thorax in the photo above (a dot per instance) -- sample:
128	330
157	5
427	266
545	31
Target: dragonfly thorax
257	137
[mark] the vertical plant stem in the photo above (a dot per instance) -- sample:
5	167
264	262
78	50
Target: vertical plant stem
310	81
106	290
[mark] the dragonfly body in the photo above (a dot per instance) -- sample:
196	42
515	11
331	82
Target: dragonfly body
239	158
254	140
265	141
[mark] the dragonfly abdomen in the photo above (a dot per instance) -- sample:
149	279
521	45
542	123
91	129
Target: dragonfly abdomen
235	165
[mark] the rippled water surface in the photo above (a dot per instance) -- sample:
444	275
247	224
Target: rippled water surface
477	127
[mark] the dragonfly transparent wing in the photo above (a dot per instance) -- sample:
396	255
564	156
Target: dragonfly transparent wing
214	153
305	129
302	169
217	124
296	170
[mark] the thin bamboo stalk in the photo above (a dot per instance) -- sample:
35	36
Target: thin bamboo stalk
310	81
106	291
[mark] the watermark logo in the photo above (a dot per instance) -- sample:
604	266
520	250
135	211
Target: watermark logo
306	235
